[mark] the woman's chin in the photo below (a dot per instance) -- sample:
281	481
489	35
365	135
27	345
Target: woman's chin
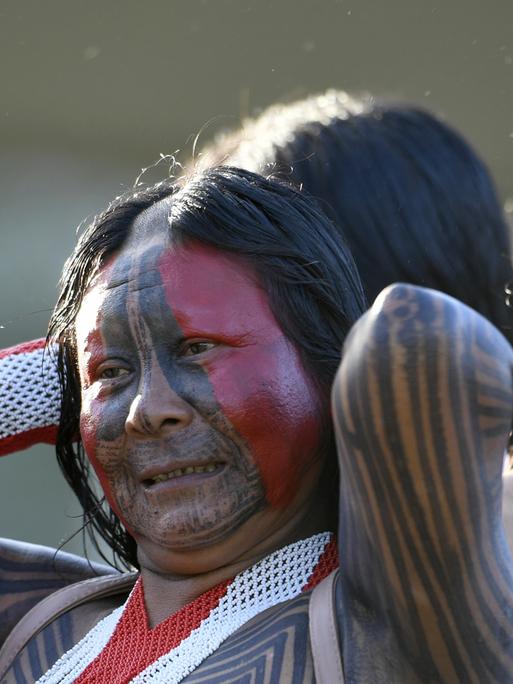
196	552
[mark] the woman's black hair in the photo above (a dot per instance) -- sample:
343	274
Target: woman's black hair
407	192
306	270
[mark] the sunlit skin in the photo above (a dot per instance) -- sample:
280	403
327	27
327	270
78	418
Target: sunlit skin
183	364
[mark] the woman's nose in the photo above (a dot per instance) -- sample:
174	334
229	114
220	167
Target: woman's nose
157	409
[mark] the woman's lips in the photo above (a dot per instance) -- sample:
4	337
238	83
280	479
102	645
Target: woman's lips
187	475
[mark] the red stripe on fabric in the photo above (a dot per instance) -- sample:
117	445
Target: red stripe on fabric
24	440
133	647
23	348
327	563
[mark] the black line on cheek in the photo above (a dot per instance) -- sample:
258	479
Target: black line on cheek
112	331
192	383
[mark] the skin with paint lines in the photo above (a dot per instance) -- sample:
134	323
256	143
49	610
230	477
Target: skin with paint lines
423	403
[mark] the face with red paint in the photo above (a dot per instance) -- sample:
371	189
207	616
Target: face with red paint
197	415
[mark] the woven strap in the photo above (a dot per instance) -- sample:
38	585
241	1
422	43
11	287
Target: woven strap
324	642
57	603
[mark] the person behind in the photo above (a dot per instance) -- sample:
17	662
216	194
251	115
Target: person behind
408	193
199	330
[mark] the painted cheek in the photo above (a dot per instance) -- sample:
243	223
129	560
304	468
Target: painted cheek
270	403
92	414
89	428
88	431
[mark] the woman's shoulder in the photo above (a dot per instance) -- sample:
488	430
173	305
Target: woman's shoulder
57	623
31	572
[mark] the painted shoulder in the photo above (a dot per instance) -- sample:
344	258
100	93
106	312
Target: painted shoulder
30	572
43	650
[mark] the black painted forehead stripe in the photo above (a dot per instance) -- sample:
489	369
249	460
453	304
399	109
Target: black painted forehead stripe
138	280
151	226
138	273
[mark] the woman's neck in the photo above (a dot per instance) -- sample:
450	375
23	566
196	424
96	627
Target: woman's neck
166	592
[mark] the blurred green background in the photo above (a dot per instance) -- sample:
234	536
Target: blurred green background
91	92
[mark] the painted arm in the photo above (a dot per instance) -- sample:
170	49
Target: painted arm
423	404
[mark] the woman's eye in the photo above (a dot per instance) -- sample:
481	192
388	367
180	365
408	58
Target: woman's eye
195	348
112	373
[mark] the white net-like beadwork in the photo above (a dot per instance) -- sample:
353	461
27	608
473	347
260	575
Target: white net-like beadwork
29	388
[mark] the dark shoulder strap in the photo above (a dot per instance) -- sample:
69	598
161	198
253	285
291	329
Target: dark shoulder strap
326	652
57	603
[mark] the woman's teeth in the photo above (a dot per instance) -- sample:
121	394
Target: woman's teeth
178	472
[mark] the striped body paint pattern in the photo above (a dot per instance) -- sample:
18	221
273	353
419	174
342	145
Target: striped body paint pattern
273	648
30	572
423	404
59	636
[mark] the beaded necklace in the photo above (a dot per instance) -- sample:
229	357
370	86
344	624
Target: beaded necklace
122	648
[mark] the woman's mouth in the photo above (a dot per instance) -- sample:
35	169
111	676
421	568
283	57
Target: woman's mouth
182	472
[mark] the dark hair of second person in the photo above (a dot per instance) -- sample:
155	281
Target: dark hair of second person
407	192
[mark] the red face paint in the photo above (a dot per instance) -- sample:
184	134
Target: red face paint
256	374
